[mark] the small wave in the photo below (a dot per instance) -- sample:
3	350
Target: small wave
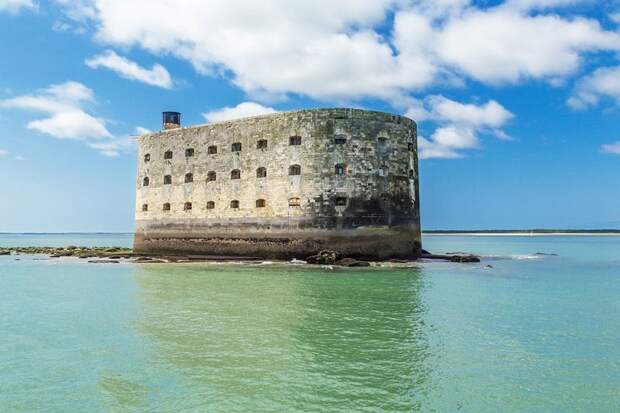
514	257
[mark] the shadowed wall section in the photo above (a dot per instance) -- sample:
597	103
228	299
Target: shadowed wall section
283	185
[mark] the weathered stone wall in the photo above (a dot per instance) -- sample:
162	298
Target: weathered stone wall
371	211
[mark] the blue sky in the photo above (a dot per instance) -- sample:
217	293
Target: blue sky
517	102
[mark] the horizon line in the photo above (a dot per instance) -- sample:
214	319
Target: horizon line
429	231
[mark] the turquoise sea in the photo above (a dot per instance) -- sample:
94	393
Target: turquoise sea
534	333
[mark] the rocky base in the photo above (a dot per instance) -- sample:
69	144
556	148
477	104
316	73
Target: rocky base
112	255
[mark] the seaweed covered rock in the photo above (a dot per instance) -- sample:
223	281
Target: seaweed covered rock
324	257
460	257
465	258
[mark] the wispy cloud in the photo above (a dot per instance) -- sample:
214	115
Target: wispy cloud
611	148
63	103
14	6
65	107
113	148
140	130
4	153
156	76
242	110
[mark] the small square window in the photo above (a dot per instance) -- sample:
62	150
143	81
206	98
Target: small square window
210	205
168	155
145	207
294	140
235	147
234	204
147	157
166	207
187	206
167	179
211	176
189	152
294	170
261	144
212	150
340	139
260	203
294	202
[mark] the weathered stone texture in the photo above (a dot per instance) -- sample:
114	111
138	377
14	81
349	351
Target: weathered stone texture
372	211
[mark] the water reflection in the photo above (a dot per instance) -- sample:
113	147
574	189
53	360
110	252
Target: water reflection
286	339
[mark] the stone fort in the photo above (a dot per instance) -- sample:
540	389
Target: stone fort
284	185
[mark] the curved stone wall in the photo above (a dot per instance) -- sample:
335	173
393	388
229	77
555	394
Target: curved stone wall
341	179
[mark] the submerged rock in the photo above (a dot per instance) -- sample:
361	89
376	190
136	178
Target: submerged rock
452	258
352	262
149	260
3	252
465	258
143	259
104	262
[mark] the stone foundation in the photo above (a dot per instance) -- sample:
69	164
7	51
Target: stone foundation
370	244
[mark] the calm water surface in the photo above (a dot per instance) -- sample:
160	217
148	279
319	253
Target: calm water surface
533	333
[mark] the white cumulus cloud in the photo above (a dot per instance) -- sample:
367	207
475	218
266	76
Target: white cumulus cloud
66	116
277	47
490	114
242	110
430	150
349	50
63	103
602	82
156	76
447	142
504	46
459	125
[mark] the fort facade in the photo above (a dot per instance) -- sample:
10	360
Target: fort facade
283	185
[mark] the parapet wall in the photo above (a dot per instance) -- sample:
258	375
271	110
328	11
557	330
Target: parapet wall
351	184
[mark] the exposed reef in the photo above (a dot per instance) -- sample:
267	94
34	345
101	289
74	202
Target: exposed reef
113	255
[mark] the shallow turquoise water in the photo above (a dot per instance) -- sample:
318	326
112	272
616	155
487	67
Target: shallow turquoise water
533	333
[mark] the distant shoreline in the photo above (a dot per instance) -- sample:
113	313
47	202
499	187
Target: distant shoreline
526	233
66	233
507	232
